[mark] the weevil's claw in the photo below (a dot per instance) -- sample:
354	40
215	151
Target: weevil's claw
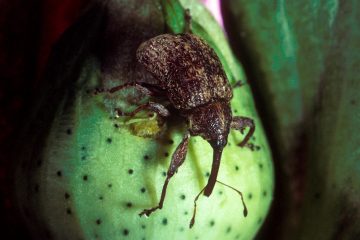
147	212
143	213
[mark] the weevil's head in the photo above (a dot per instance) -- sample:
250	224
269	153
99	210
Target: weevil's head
212	122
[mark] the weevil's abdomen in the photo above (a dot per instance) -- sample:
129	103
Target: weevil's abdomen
187	68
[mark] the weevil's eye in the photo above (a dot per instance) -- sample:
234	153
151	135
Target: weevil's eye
218	143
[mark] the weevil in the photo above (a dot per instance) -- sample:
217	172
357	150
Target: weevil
191	77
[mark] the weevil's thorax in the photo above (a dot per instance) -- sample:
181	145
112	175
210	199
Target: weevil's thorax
211	122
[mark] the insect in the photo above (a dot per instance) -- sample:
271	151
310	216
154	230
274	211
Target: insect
192	79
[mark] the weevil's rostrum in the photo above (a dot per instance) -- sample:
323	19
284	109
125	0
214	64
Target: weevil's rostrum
190	76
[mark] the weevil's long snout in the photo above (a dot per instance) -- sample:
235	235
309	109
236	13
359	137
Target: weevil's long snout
214	168
212	122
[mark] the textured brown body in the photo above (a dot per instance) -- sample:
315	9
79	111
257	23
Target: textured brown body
187	68
191	76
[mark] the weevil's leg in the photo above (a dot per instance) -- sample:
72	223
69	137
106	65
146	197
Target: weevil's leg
177	159
144	88
187	18
155	107
137	85
240	123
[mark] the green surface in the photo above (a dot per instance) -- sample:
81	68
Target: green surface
89	179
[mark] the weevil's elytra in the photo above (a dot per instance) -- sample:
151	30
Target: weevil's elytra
187	68
191	78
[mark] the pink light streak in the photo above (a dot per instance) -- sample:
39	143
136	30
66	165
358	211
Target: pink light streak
214	8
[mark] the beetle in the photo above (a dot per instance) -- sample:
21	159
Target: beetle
191	77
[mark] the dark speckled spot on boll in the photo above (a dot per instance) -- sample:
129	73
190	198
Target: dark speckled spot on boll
68	131
109	140
130	171
85	177
98	221
164	221
143	190
59	173
212	223
129	204
126	232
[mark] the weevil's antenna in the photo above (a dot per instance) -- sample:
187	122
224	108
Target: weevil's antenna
194	213
245	212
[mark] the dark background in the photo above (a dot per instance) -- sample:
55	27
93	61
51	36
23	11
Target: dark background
28	29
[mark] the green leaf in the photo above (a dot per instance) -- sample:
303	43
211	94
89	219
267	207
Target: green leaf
303	60
333	183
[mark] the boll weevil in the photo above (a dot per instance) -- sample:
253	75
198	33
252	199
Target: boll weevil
191	77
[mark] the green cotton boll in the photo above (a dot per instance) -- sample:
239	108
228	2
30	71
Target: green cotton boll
96	178
87	175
